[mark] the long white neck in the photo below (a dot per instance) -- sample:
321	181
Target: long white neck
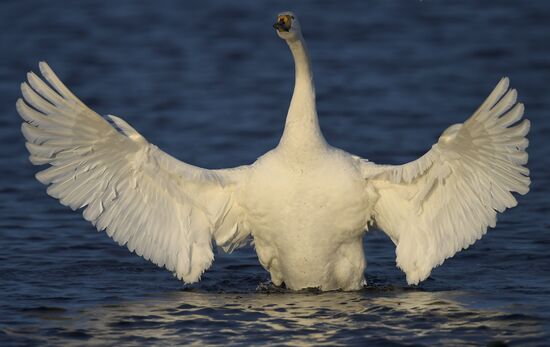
302	125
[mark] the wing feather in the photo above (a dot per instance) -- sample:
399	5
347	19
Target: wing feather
444	201
163	209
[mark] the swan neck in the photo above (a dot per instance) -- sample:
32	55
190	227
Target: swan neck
302	125
302	65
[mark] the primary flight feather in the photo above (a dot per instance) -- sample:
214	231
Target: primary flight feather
305	203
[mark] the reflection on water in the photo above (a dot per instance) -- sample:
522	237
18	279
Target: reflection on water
378	316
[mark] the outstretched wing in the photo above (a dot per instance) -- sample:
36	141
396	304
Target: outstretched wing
443	202
163	209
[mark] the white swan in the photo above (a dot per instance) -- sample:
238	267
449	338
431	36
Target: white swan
306	204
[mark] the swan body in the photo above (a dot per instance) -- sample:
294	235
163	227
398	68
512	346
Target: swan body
315	237
305	204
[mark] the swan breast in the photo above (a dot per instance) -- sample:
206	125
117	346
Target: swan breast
302	213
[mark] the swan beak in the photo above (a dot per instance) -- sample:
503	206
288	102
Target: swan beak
283	23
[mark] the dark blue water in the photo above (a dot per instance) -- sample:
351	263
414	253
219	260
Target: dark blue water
210	83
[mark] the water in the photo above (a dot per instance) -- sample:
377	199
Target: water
210	83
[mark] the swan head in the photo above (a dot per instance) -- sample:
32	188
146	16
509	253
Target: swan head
287	26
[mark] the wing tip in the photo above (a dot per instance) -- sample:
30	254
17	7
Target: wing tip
527	126
521	111
26	133
41	177
19	104
44	67
514	93
48	73
30	75
504	82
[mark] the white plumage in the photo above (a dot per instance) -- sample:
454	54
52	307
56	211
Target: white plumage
163	209
305	204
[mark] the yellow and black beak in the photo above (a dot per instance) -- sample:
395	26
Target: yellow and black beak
283	23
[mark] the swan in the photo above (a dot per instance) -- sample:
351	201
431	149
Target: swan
305	205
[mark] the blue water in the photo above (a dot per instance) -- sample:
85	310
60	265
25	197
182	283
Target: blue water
210	82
